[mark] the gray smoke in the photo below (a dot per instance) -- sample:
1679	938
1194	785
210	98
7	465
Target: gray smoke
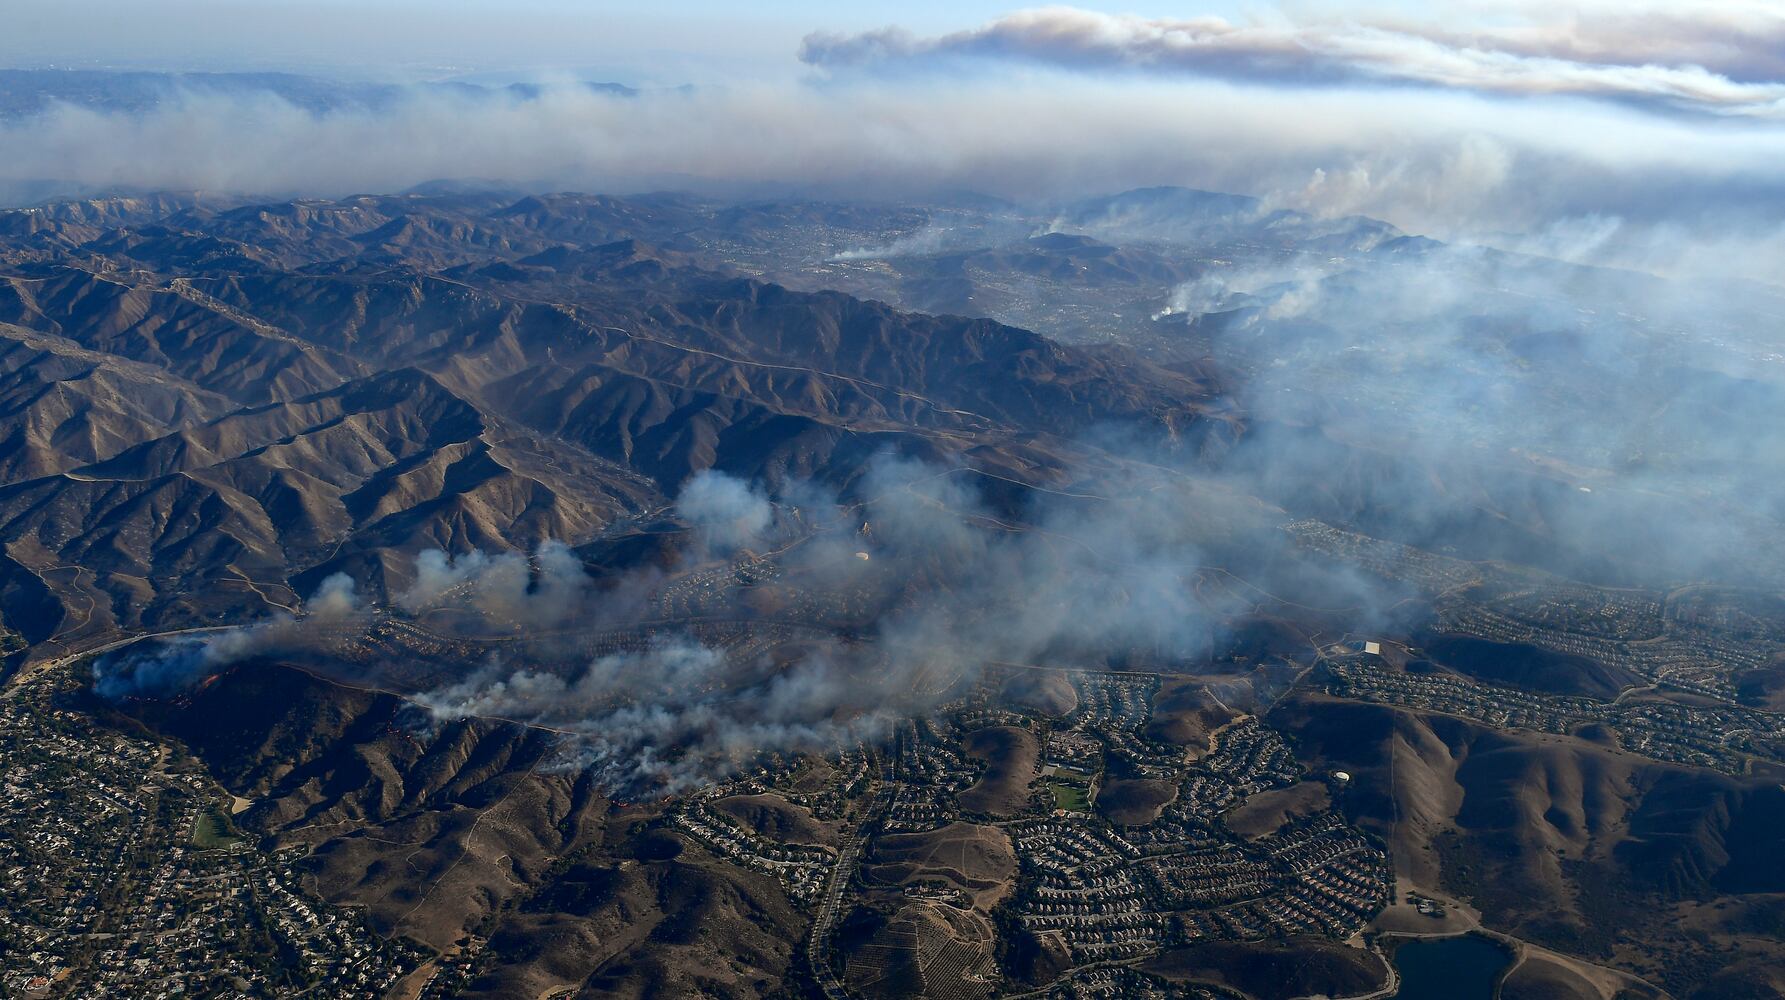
730	514
336	598
172	666
1683	191
671	716
938	583
1605	425
507	588
1150	558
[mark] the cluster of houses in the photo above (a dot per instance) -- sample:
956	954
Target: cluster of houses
124	879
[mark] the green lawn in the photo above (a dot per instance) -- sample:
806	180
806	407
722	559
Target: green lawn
1069	796
212	832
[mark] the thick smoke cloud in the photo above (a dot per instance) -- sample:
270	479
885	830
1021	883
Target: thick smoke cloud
176	665
1437	163
671	716
546	590
1601	424
1728	66
730	513
337	597
1159	560
929	581
944	583
1154	559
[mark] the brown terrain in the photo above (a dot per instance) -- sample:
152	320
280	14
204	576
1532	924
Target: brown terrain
1562	842
1010	755
1278	971
939	941
210	406
1267	812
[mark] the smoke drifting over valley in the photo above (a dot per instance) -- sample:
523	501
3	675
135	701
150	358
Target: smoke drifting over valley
892	499
177	664
1520	132
548	590
927	583
670	716
1481	405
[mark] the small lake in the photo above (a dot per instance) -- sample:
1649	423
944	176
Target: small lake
1452	968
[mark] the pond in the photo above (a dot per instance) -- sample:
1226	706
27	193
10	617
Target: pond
1453	968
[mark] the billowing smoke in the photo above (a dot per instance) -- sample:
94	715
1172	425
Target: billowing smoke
911	584
729	514
1472	403
932	582
336	597
506	588
672	715
920	575
1123	576
173	665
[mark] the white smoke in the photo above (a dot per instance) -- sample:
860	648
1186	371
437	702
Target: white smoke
336	598
506	588
1436	163
1286	292
927	240
668	717
947	586
730	514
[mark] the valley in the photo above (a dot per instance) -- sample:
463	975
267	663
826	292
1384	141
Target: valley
543	596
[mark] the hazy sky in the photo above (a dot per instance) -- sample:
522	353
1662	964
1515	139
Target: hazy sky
672	41
1653	129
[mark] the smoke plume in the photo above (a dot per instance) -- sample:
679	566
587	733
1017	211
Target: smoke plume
172	666
729	513
507	588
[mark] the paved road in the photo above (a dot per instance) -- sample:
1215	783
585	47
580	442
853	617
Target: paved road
830	905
